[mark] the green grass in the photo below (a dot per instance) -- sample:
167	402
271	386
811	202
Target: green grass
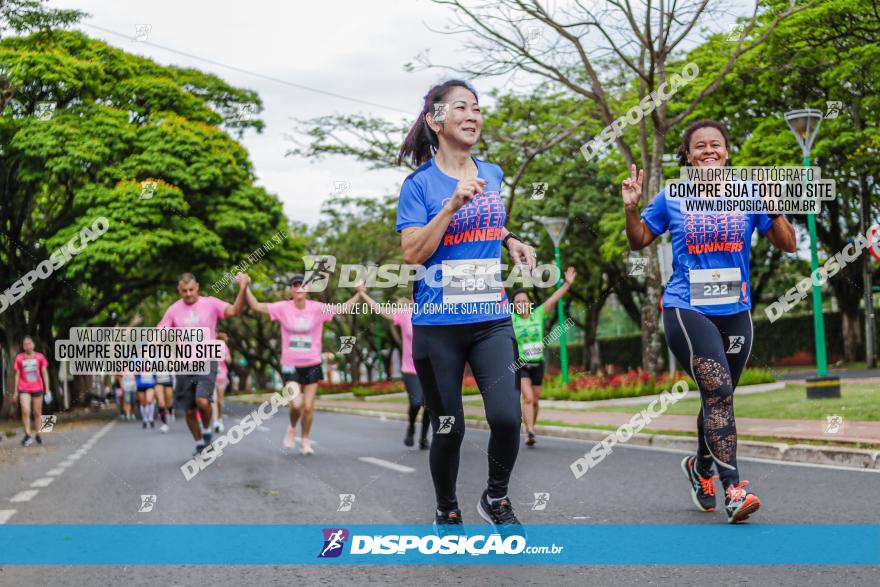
857	402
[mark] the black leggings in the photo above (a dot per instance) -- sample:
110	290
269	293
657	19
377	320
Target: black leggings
440	353
714	350
414	391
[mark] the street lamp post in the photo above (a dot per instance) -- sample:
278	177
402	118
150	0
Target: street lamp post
556	228
804	124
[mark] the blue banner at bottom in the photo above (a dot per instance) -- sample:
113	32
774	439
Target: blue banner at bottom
232	544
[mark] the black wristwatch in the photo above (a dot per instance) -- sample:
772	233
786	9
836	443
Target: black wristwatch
509	236
773	216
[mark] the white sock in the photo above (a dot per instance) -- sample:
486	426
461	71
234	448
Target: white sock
150	413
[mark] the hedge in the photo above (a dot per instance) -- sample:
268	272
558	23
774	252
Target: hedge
788	341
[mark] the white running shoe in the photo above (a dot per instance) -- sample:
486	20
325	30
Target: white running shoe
218	426
290	437
307	447
163	428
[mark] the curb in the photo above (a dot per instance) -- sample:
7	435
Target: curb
853	458
645	399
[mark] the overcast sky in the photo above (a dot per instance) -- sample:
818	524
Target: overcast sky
348	47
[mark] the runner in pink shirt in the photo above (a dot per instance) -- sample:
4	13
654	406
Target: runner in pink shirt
302	329
31	381
402	317
195	392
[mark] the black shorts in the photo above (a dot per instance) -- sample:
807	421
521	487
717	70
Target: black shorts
303	375
189	387
532	371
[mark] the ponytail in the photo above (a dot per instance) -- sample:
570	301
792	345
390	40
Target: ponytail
421	142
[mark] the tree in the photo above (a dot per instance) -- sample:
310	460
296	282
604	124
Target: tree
138	144
22	16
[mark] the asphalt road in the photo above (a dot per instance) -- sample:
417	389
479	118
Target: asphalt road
257	482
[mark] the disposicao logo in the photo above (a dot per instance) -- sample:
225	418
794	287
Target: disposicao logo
334	540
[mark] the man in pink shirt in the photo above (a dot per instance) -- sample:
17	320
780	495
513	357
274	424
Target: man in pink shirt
302	329
31	381
195	392
402	318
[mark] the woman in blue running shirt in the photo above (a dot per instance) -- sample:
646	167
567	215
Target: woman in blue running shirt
706	308
451	217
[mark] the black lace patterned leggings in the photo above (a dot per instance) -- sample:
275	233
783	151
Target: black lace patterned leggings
714	351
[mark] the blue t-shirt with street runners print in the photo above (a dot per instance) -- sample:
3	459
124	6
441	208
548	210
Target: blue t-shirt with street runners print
710	256
462	279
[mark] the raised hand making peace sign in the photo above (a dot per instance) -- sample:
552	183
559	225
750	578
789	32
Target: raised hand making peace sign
632	187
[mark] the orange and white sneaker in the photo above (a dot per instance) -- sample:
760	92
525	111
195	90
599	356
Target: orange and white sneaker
740	503
290	437
307	447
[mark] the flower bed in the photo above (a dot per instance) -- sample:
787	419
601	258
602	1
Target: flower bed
633	383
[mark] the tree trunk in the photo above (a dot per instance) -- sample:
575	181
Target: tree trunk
263	381
591	338
851	327
12	345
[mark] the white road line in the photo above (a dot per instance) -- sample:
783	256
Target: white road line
43	482
5	515
56	471
26	495
387	464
